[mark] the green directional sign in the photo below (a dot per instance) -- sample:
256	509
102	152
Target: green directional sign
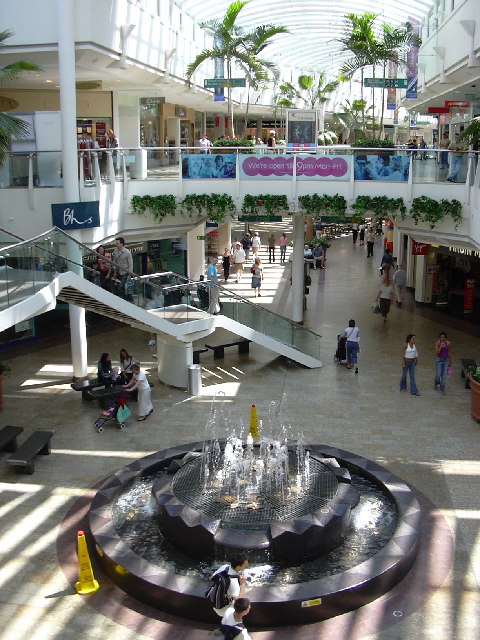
213	83
386	83
200	237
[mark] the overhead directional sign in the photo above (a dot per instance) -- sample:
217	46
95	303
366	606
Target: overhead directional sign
213	83
386	83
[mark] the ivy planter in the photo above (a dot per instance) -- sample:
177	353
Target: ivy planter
380	207
324	205
214	206
272	204
159	206
475	399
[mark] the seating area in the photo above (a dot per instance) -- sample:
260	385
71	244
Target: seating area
8	438
23	460
219	349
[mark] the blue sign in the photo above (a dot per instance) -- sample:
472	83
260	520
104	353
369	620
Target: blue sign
76	215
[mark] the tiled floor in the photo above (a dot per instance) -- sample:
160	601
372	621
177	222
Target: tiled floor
430	441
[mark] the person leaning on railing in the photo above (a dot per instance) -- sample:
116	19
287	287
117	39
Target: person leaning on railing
457	149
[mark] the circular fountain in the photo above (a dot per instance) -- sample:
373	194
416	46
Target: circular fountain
161	523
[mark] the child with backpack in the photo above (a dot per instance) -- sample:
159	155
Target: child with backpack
227	583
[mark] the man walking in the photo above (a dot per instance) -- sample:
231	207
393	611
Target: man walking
370	238
256	244
399	278
124	262
238	259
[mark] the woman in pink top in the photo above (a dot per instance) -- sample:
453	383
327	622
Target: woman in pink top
283	246
443	352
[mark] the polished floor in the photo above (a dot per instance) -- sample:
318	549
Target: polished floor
430	441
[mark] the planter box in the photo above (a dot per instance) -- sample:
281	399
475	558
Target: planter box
475	399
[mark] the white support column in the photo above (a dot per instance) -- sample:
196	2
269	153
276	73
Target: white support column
420	273
173	358
195	252
68	117
298	281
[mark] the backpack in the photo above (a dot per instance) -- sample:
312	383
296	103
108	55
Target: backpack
217	591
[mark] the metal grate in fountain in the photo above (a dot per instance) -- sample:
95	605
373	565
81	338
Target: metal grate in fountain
261	507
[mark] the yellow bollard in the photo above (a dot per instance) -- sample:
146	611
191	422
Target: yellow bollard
86	582
253	422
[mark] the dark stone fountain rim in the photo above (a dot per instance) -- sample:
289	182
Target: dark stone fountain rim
184	595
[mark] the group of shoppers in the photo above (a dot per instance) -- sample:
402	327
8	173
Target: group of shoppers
128	374
443	363
113	272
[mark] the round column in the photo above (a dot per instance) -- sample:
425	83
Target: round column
173	359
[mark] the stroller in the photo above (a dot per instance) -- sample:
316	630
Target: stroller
341	353
116	412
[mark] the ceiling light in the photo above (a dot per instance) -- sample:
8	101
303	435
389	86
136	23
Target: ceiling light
48	80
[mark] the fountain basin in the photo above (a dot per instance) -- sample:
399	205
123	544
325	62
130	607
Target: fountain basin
288	526
275	605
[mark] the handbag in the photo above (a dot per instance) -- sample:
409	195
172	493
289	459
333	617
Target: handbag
123	414
375	308
449	371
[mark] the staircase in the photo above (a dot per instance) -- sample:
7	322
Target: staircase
38	272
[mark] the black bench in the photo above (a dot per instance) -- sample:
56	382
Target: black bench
219	349
85	386
466	365
8	438
196	355
23	459
104	393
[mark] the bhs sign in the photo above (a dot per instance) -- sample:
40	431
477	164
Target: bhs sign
76	215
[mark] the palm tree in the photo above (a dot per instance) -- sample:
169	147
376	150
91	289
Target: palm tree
234	46
349	118
10	126
359	39
372	52
313	91
263	70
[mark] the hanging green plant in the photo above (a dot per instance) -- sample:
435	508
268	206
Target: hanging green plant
159	206
324	205
380	207
452	208
427	210
274	205
214	206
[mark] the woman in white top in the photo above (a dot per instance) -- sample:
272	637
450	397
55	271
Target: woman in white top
139	381
351	333
409	363
385	297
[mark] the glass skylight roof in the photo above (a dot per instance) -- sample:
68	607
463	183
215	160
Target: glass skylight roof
314	25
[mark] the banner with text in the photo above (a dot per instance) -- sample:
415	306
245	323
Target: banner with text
312	167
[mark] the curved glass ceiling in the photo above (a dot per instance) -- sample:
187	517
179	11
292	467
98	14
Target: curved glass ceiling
314	25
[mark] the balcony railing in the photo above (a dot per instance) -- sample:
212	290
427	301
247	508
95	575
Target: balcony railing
103	166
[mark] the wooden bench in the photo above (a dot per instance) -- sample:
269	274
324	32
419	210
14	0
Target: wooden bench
85	386
466	365
8	438
196	355
23	459
219	349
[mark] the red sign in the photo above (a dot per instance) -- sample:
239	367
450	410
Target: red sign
456	103
468	294
420	248
438	109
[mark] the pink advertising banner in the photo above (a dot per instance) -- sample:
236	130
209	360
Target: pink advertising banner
271	167
308	167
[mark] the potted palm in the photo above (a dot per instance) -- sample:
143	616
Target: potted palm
474	376
3	370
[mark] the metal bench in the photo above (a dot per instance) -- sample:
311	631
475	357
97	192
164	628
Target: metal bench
196	355
219	349
466	365
23	458
8	437
85	386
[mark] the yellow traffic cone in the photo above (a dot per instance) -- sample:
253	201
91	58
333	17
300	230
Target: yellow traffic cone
253	422
86	582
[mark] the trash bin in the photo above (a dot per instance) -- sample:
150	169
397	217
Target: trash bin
194	379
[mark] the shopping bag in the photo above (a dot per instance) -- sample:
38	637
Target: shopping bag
375	308
123	414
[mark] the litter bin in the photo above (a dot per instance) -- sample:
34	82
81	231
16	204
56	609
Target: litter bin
194	379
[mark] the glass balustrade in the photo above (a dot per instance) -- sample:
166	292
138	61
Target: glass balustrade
96	167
